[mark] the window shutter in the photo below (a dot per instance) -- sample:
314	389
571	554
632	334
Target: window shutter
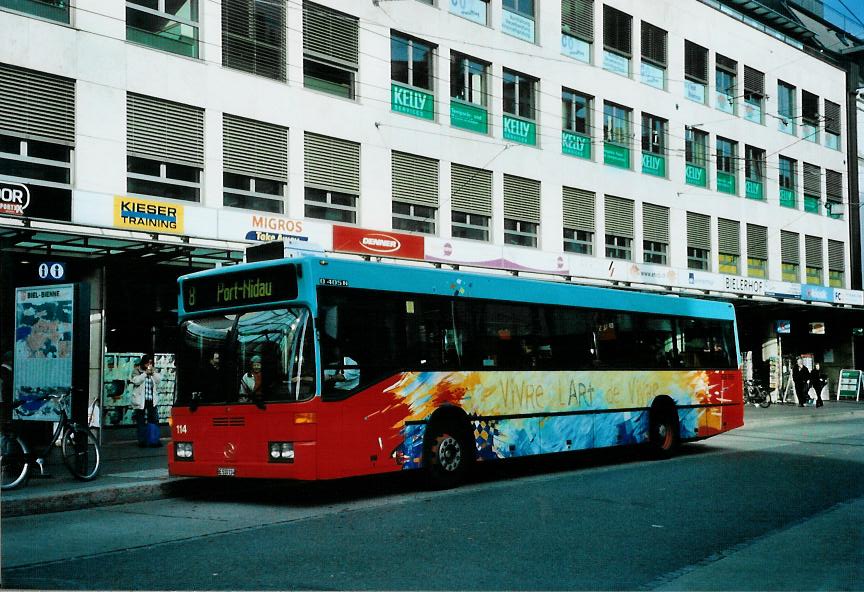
757	241
250	46
330	34
727	64
695	62
832	117
415	179
833	185
38	105
579	209
331	164
836	260
809	107
790	249
619	216
653	44
164	130
754	81
521	199
729	236
699	231
577	19
655	223
813	250
470	190
254	148
617	30
812	180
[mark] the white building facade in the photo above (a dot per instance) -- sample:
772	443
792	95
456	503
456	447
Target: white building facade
673	144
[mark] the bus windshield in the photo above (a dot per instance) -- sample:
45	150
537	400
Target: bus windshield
256	357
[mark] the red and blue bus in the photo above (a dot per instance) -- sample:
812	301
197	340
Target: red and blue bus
317	367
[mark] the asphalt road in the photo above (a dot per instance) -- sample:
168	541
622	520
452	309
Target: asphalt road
777	507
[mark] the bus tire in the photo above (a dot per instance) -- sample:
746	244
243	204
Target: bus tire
663	434
447	453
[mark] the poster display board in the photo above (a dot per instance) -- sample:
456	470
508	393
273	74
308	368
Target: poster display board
118	369
43	349
849	385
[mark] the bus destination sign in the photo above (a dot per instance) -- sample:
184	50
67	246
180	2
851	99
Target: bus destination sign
243	288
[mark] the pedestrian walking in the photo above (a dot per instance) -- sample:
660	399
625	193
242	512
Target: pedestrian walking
801	378
818	380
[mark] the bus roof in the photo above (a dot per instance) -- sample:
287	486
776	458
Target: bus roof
361	274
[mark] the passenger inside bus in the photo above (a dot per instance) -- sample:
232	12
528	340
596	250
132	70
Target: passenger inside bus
250	383
342	373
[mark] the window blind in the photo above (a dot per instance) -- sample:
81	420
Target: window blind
470	190
809	107
729	236
836	259
415	179
164	130
812	180
699	231
757	241
253	36
695	62
579	209
619	216
655	223
832	117
754	81
38	105
790	247
653	44
330	34
726	64
331	164
833	185
254	148
813	250
577	19
617	30
521	199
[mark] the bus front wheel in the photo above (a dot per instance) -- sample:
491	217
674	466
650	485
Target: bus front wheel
663	434
447	454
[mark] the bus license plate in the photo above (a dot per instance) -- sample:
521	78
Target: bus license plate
225	471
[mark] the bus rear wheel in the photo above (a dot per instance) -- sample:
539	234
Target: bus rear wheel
447	454
663	431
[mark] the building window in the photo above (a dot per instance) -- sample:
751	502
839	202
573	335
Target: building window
471	202
521	211
470	226
55	10
617	40
415	192
616	135
165	148
169	25
517	19
576	123
654	145
520	101
810	118
786	108
787	174
255	164
696	157
727	166
754	95
653	65
834	194
757	251
698	241
655	233
577	29
832	125
836	264
411	61
726	81
469	93
253	37
654	252
578	220
330	50
813	264
44	166
812	188
790	256
619	247
695	72
331	178
729	246
754	172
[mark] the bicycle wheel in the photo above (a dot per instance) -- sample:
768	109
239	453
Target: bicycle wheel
81	453
14	466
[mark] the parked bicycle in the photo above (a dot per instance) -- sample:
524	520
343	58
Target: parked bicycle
754	393
78	445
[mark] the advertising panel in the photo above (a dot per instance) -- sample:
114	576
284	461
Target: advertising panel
43	349
133	213
348	239
35	201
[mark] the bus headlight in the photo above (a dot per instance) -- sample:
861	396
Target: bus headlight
183	451
281	452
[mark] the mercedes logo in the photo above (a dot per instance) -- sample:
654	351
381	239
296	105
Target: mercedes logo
230	450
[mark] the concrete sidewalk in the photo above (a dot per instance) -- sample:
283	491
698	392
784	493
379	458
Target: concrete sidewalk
133	474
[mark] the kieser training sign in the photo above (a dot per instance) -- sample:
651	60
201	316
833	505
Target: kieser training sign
133	213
